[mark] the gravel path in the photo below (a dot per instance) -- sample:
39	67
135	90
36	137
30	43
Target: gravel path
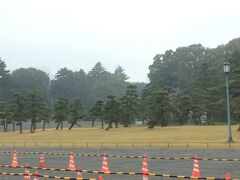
174	167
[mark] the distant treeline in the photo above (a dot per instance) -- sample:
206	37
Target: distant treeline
186	86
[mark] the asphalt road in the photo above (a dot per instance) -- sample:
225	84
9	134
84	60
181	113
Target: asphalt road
173	167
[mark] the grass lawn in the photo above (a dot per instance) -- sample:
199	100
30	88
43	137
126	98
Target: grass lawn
136	134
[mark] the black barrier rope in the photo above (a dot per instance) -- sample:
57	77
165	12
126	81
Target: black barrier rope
123	156
118	173
43	176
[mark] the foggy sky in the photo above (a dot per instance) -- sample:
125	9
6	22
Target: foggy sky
51	34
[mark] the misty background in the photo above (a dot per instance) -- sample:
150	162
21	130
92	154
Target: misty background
50	35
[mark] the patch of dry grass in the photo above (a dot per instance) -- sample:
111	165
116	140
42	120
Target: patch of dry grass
142	136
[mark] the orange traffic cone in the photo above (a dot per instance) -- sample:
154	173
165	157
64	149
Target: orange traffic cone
36	177
27	177
228	176
100	177
145	168
196	169
14	160
71	162
105	164
42	163
79	173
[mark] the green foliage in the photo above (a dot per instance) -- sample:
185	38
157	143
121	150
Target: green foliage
97	84
129	105
75	112
185	106
235	85
111	111
185	84
61	111
195	74
98	72
4	114
119	72
5	81
96	112
45	115
18	107
30	79
34	108
157	101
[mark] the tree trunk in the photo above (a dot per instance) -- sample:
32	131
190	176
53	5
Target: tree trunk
152	124
21	130
125	124
13	126
32	128
102	123
4	126
116	124
58	125
61	125
109	126
93	121
44	124
212	120
71	126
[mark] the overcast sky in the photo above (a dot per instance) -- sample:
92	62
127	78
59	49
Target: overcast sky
51	34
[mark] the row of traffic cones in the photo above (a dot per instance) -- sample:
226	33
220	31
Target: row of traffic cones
145	172
196	170
105	169
42	163
72	167
27	177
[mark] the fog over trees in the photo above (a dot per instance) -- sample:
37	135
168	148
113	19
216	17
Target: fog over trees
185	85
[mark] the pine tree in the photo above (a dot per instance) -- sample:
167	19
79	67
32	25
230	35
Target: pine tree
111	112
34	108
96	112
18	109
130	105
98	72
3	114
61	111
119	72
45	115
75	112
5	81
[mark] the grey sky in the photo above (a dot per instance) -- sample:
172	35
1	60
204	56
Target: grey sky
51	34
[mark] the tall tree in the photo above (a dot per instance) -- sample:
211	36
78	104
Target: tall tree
63	84
185	106
96	112
235	84
34	108
158	105
19	110
111	111
25	80
3	114
45	115
98	72
61	112
130	105
75	112
10	117
5	81
119	72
